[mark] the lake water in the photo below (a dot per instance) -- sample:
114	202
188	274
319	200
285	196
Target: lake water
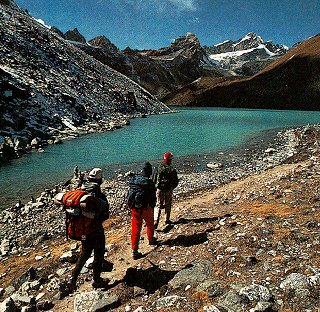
188	132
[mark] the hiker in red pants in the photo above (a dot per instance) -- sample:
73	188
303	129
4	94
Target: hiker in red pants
141	199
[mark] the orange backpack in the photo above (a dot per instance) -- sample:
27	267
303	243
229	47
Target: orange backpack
79	206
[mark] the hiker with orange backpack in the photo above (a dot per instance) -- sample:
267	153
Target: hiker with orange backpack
141	199
166	179
86	210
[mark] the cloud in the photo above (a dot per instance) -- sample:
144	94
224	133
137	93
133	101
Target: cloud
161	5
184	5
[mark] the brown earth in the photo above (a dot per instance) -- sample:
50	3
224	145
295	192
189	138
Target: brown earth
238	214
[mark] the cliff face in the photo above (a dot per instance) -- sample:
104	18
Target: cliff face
48	84
290	82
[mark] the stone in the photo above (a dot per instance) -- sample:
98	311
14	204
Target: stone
214	165
9	291
231	302
70	256
62	271
5	247
211	308
211	287
256	292
140	309
192	276
262	306
138	291
170	301
95	301
296	282
22	299
8	305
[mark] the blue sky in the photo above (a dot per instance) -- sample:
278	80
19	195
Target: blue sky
152	24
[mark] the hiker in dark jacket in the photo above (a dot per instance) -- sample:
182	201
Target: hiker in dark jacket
95	241
141	200
166	179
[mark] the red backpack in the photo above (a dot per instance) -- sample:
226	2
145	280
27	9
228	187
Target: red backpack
79	208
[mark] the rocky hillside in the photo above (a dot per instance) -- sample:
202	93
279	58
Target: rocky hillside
49	87
290	82
245	238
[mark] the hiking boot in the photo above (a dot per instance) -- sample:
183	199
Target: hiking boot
136	255
153	242
71	286
101	283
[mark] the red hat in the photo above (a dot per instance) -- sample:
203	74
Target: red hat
167	157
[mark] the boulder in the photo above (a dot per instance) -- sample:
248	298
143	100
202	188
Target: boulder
192	276
231	302
256	292
296	282
95	301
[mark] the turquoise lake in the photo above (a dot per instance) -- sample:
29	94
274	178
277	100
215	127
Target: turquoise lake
188	132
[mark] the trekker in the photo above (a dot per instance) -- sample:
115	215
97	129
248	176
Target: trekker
141	199
166	179
95	241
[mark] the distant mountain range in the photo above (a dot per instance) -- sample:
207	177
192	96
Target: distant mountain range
165	70
290	82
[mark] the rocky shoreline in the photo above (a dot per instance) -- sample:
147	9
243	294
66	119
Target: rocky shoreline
31	229
15	147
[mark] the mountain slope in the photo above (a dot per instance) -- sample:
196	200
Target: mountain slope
48	85
290	82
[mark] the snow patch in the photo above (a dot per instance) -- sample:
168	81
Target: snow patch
68	123
40	21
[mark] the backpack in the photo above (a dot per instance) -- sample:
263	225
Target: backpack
138	193
80	213
167	178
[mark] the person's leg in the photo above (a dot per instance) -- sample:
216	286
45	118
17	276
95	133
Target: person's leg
168	206
99	250
147	215
86	251
136	224
158	207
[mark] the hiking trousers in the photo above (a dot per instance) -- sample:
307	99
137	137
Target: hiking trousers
137	216
164	201
95	243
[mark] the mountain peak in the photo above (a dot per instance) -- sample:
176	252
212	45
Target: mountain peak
104	43
75	35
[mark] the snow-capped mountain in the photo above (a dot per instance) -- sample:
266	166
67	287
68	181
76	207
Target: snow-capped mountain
250	50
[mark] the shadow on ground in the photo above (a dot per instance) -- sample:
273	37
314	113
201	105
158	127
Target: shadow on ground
150	279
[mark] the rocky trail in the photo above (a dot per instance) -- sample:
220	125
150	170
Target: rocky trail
249	244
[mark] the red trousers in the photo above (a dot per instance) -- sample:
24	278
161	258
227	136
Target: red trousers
137	216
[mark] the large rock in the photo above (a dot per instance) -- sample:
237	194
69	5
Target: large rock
298	283
94	301
231	302
256	292
192	276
